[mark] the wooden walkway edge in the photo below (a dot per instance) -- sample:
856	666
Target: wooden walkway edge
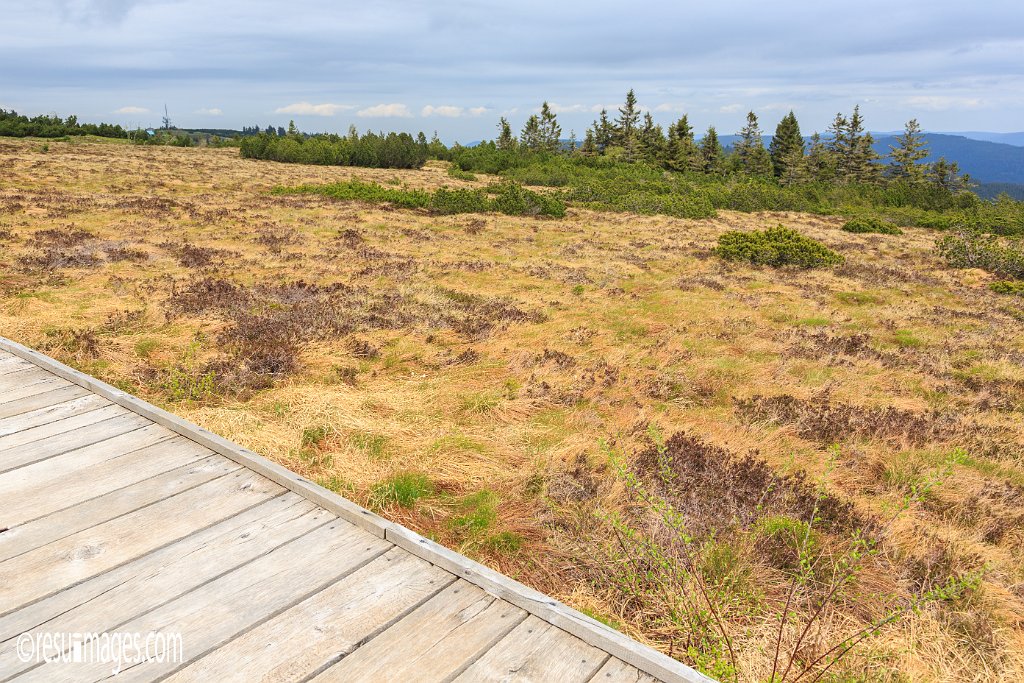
532	616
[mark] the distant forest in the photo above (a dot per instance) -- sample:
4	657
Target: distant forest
14	125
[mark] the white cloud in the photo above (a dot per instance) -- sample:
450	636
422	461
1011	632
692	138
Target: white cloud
478	111
210	112
386	110
568	108
446	110
131	110
942	103
310	109
730	108
673	107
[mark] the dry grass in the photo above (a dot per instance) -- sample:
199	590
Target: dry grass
364	347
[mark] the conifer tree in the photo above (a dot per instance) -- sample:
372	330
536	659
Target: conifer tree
604	132
506	140
589	146
652	138
683	154
531	136
946	175
787	145
629	117
711	152
572	140
819	164
550	131
626	126
292	128
904	160
751	157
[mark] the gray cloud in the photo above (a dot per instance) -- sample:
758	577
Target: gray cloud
955	66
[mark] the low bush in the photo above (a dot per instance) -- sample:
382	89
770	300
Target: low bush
1015	288
775	247
871	224
510	198
970	248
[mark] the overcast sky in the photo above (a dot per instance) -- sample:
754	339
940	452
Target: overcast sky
455	67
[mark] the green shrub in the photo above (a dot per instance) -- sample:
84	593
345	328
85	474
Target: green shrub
457	173
402	489
775	247
970	248
511	198
1015	288
445	201
871	224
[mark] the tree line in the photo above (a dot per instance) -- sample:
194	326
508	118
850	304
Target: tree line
843	155
13	124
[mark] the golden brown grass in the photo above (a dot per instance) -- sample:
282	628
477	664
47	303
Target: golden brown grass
626	321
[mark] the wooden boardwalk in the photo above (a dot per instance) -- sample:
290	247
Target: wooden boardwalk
117	517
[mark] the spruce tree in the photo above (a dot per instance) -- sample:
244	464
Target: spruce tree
589	146
604	131
652	138
506	140
531	136
787	146
819	164
683	154
946	175
711	152
751	156
904	160
550	131
626	126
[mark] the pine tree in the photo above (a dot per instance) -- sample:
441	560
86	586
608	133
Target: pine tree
292	128
946	175
751	156
506	140
711	155
854	156
904	161
787	146
531	136
572	140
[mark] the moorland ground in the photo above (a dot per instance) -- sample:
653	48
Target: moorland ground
469	376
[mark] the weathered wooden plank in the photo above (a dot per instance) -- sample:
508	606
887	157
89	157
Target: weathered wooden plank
22	377
71	520
434	642
537	651
33	388
617	671
63	442
54	566
41	416
122	594
223	608
42	399
326	626
41	488
11	363
64	426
